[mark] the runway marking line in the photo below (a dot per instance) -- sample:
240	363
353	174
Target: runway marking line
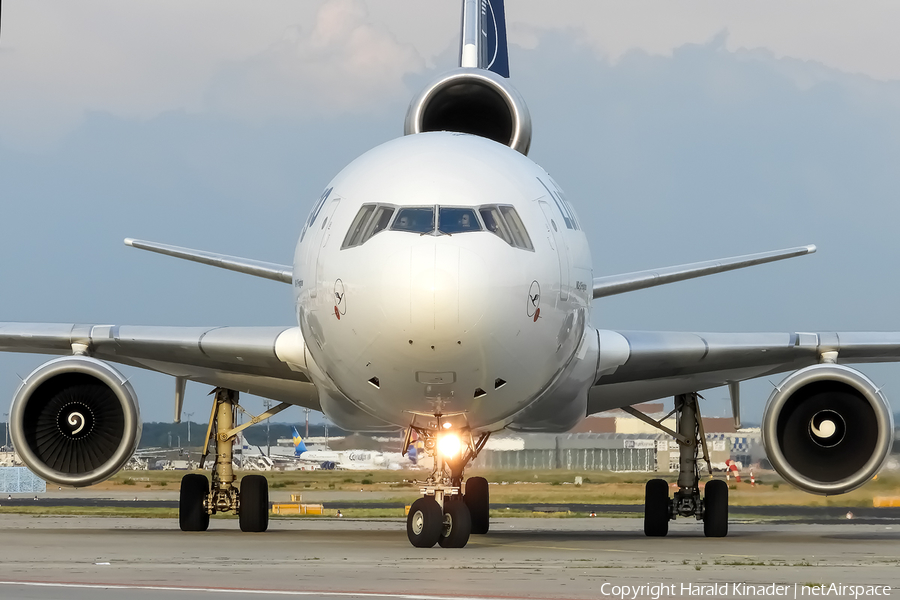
219	590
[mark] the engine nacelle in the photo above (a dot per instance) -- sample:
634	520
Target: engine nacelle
75	421
472	101
827	429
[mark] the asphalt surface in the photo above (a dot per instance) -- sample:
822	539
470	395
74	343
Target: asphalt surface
789	513
79	558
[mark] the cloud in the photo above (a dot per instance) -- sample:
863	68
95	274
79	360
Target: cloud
344	63
702	152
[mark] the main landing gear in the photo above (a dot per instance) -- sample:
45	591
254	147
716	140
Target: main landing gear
199	499
712	508
447	513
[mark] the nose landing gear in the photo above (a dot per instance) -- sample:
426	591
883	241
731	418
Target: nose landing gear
712	508
199	499
447	514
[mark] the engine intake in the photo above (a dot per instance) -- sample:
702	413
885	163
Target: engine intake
472	101
75	421
827	429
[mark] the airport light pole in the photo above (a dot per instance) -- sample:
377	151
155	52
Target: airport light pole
189	415
268	404
6	429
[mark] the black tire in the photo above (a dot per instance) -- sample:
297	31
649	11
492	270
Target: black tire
254	513
477	498
424	522
656	508
715	509
192	516
457	525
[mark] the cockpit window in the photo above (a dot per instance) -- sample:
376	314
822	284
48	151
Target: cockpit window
358	227
501	220
380	222
505	223
516	228
493	220
457	220
370	219
414	220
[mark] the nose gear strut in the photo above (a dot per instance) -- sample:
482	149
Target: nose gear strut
447	513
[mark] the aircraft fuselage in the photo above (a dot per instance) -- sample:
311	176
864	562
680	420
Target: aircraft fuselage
440	265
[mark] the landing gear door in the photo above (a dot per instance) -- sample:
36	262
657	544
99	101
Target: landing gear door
558	244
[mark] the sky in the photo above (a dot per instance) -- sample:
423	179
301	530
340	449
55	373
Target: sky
679	131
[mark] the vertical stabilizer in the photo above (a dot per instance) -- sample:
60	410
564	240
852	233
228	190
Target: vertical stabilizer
483	40
299	446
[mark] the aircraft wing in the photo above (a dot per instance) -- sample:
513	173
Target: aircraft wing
628	282
637	366
264	361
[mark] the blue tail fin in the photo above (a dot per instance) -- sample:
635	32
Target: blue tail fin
483	44
299	446
413	454
496	50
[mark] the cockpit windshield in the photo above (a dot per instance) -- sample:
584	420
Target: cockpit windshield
457	220
502	220
415	220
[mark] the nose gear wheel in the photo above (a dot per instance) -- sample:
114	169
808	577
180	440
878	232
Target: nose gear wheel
445	514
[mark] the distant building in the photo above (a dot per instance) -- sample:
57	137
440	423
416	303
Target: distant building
618	421
617	441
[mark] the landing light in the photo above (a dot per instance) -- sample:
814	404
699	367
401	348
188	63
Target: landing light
449	445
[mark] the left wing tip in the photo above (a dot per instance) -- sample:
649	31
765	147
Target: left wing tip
129	242
811	249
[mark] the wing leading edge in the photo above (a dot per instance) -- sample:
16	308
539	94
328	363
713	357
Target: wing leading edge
264	361
629	282
637	366
257	268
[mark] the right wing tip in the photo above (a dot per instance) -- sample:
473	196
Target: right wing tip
129	242
811	249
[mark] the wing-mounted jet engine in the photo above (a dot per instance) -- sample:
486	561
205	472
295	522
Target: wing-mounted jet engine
827	429
75	421
475	101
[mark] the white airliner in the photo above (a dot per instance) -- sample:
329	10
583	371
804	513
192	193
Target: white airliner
353	459
443	284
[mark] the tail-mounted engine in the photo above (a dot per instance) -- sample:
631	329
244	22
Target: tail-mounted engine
827	429
75	421
473	101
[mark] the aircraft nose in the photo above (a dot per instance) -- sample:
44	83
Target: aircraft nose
440	291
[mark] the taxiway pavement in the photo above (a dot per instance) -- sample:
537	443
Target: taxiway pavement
344	558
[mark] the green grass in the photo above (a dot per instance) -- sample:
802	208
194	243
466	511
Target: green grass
523	487
92	511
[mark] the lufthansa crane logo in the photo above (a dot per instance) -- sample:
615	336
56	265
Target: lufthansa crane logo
533	303
340	303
